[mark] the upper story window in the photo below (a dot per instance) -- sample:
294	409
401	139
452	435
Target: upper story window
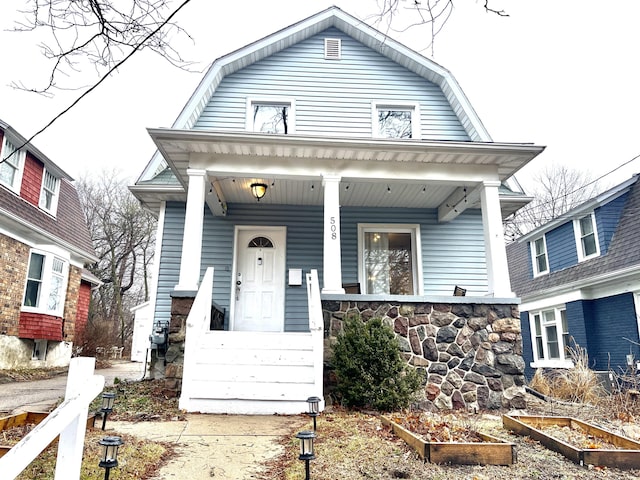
550	338
49	193
396	121
389	259
586	237
539	256
47	277
11	165
271	116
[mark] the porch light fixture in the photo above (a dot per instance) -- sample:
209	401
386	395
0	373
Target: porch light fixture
109	458
258	190
107	406
314	409
306	449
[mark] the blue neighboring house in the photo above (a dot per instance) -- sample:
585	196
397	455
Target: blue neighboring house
322	171
579	280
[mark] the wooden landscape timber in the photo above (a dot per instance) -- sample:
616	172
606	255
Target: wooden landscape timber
28	418
491	451
626	456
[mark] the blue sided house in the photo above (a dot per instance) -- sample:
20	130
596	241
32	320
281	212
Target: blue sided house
324	171
579	280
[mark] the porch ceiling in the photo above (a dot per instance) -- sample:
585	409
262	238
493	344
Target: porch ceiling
375	172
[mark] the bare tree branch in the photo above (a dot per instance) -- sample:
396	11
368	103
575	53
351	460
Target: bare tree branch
98	34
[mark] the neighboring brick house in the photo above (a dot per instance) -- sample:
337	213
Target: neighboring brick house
579	280
44	246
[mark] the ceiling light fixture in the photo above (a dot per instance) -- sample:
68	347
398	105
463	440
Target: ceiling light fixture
258	190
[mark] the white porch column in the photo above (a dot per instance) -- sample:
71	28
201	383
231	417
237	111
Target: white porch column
332	258
497	267
192	235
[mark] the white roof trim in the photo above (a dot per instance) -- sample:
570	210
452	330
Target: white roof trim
331	17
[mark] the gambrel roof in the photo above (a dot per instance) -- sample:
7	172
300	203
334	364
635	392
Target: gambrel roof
621	259
360	31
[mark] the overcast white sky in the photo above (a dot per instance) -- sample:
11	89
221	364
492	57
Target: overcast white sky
564	74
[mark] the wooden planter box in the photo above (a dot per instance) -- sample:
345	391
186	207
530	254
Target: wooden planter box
492	451
627	456
27	418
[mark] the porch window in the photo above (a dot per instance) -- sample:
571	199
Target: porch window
49	193
539	256
11	165
586	237
270	116
46	283
388	260
550	338
396	121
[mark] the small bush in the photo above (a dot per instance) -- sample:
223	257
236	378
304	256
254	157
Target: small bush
370	369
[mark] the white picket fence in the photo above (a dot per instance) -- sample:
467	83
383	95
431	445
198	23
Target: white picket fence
69	421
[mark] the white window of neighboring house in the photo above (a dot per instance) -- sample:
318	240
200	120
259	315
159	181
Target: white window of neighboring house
389	259
550	338
586	237
396	120
47	277
271	116
12	165
49	193
539	256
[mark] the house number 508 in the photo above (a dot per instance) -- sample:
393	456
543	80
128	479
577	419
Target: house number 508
333	228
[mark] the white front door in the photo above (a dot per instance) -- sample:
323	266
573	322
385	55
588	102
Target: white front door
259	280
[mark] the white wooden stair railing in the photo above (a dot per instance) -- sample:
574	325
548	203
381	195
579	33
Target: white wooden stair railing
69	421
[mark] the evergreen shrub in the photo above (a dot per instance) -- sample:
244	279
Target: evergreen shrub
370	369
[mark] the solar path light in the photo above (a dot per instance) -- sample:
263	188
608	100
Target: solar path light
314	409
107	406
306	449
109	454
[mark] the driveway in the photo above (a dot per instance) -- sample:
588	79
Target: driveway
42	395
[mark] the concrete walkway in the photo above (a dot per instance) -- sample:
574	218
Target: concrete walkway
43	395
226	447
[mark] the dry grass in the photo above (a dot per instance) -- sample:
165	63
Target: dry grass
137	459
578	384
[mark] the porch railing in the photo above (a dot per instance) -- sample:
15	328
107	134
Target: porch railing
69	421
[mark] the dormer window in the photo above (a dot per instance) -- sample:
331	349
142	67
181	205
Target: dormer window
270	116
539	256
586	237
49	193
11	166
396	121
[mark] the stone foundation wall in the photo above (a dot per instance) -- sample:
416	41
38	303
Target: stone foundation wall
470	354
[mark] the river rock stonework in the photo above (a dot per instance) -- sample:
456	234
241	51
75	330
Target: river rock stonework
470	355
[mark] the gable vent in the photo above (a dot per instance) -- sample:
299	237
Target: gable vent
332	49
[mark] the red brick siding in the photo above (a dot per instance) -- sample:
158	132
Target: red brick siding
14	257
37	325
82	315
31	180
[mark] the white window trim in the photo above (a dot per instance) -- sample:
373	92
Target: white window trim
56	195
578	237
414	229
271	101
49	252
20	165
561	362
414	107
532	246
